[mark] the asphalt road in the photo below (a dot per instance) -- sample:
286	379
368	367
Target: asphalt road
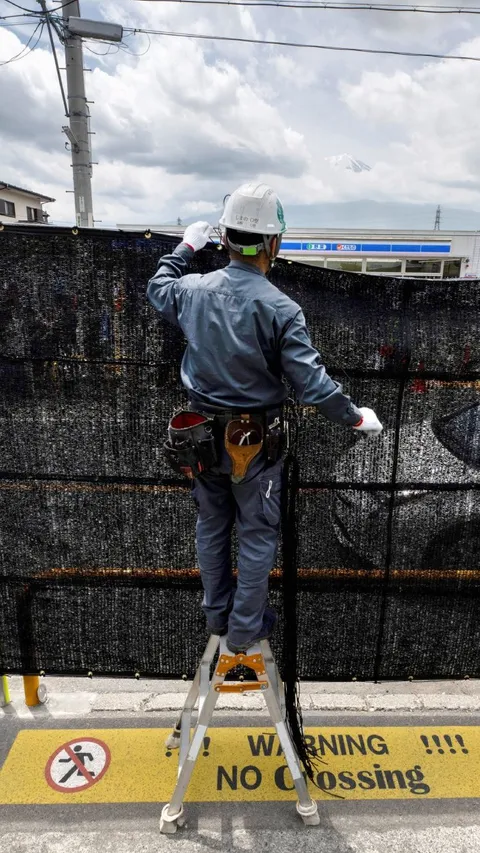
397	826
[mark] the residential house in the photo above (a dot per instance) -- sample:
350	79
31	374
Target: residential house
22	206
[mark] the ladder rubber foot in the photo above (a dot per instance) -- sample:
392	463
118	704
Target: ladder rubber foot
168	822
309	814
173	740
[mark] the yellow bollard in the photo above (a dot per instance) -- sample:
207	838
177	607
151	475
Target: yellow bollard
5	690
31	683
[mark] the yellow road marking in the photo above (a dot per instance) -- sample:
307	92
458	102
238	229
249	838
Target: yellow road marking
359	763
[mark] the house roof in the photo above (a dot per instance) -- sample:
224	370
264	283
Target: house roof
5	186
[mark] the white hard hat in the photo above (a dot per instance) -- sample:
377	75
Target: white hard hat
256	209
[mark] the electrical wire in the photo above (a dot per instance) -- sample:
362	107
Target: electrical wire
20	24
59	27
30	11
120	46
101	53
57	67
61	7
7	17
340	7
22	54
304	45
126	48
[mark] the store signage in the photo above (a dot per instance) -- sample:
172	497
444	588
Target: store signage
367	248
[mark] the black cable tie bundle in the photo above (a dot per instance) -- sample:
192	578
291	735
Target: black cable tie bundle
293	711
307	754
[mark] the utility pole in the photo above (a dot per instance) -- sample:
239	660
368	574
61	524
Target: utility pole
78	131
438	216
78	119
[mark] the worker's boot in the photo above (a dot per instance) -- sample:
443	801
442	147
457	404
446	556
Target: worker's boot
268	625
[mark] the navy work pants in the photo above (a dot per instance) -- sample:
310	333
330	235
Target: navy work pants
254	506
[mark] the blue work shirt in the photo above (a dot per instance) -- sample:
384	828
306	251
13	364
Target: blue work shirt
244	335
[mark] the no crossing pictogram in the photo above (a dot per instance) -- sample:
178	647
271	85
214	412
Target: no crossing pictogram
77	765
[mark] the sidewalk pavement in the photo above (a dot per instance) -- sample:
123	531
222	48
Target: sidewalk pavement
79	697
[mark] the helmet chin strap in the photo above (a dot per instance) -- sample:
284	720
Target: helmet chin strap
265	245
268	242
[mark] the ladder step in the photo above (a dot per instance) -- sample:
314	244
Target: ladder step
231	687
228	662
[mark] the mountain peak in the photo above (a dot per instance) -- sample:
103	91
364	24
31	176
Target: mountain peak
346	161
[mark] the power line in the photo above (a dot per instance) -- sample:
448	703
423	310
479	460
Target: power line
237	39
57	24
119	46
20	24
19	55
303	45
30	11
52	43
402	6
43	17
104	52
126	48
339	7
61	6
7	17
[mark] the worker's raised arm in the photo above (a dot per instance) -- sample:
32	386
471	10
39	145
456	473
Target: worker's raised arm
161	288
302	366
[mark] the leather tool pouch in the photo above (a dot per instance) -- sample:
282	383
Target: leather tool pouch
274	439
243	442
191	447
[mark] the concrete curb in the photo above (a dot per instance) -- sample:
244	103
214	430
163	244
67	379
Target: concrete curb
359	698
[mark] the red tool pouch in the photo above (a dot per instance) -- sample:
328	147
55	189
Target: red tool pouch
191	446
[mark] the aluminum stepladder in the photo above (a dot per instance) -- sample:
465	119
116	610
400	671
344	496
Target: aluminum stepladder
258	658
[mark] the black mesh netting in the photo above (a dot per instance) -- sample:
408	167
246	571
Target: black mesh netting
98	570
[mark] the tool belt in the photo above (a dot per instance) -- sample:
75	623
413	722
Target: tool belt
268	421
191	447
194	439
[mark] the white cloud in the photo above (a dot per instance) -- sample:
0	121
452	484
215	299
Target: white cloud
193	207
438	109
286	71
173	110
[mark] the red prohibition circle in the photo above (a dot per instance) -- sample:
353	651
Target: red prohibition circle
89	780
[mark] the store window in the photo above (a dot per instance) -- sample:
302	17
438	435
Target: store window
451	268
346	266
426	267
392	265
311	262
7	208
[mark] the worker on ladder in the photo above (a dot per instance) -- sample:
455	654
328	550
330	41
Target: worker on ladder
244	336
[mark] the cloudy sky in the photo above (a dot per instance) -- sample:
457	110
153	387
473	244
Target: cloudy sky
180	122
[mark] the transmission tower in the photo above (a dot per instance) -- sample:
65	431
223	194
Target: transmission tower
438	219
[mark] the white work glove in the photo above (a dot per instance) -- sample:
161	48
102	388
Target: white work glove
370	423
197	235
